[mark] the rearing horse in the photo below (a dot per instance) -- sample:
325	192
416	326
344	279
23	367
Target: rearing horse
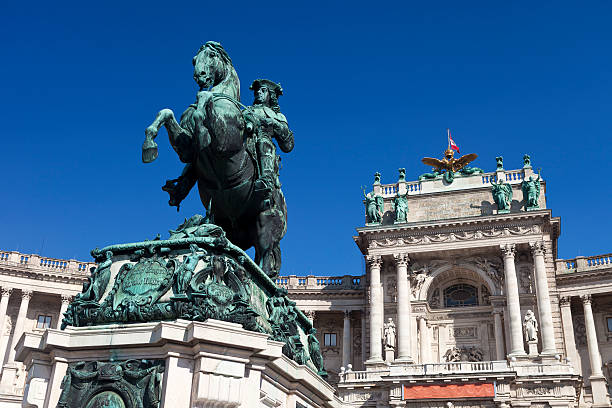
211	139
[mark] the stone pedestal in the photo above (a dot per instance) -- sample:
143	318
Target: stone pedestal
205	364
533	348
389	354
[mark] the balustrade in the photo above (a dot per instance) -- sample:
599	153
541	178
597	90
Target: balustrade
320	282
43	264
460	367
580	263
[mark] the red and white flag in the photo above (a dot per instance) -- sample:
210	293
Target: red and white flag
451	142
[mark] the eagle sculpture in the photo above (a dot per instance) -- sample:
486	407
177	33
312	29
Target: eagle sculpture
449	163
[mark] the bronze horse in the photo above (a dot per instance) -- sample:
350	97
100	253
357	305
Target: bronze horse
211	139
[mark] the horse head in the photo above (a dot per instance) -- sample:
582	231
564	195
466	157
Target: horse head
212	67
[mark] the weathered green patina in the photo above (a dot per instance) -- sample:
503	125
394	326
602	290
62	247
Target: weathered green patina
122	384
401	207
502	195
374	205
500	163
230	154
531	193
197	274
526	161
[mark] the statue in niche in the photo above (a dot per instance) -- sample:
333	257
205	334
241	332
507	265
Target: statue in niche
502	195
374	207
389	334
531	192
401	207
530	326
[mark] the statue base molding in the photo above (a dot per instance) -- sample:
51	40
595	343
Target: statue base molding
533	348
178	364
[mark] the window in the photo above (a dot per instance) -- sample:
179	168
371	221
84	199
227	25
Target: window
609	320
460	295
44	322
329	339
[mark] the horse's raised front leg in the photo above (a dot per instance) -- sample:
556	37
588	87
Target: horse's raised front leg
180	138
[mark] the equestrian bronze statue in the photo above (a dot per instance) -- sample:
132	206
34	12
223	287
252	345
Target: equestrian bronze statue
229	153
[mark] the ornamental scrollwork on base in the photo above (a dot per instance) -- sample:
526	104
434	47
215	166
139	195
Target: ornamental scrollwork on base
130	384
197	274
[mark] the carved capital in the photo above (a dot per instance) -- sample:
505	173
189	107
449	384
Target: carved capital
375	261
67	299
498	312
587	299
508	250
347	314
565	301
537	248
6	291
26	294
401	259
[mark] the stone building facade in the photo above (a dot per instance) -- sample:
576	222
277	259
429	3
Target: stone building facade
457	280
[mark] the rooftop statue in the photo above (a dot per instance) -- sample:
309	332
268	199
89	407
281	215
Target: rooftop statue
531	192
502	195
448	166
230	155
374	207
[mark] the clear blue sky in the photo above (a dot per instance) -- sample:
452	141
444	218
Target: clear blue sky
368	87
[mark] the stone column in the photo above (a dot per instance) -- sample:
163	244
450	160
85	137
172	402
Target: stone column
547	332
499	336
6	294
376	310
363	339
404	309
424	342
513	302
26	295
442	340
565	303
9	372
598	381
346	340
66	299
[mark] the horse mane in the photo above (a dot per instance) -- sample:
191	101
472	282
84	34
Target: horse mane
230	85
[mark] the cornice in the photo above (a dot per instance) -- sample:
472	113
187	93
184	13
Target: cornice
583	276
456	222
41	275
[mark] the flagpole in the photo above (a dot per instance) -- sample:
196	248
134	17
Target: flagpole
448	136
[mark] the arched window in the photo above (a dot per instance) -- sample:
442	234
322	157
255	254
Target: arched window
460	295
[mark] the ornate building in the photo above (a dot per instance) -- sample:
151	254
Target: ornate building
463	302
483	312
